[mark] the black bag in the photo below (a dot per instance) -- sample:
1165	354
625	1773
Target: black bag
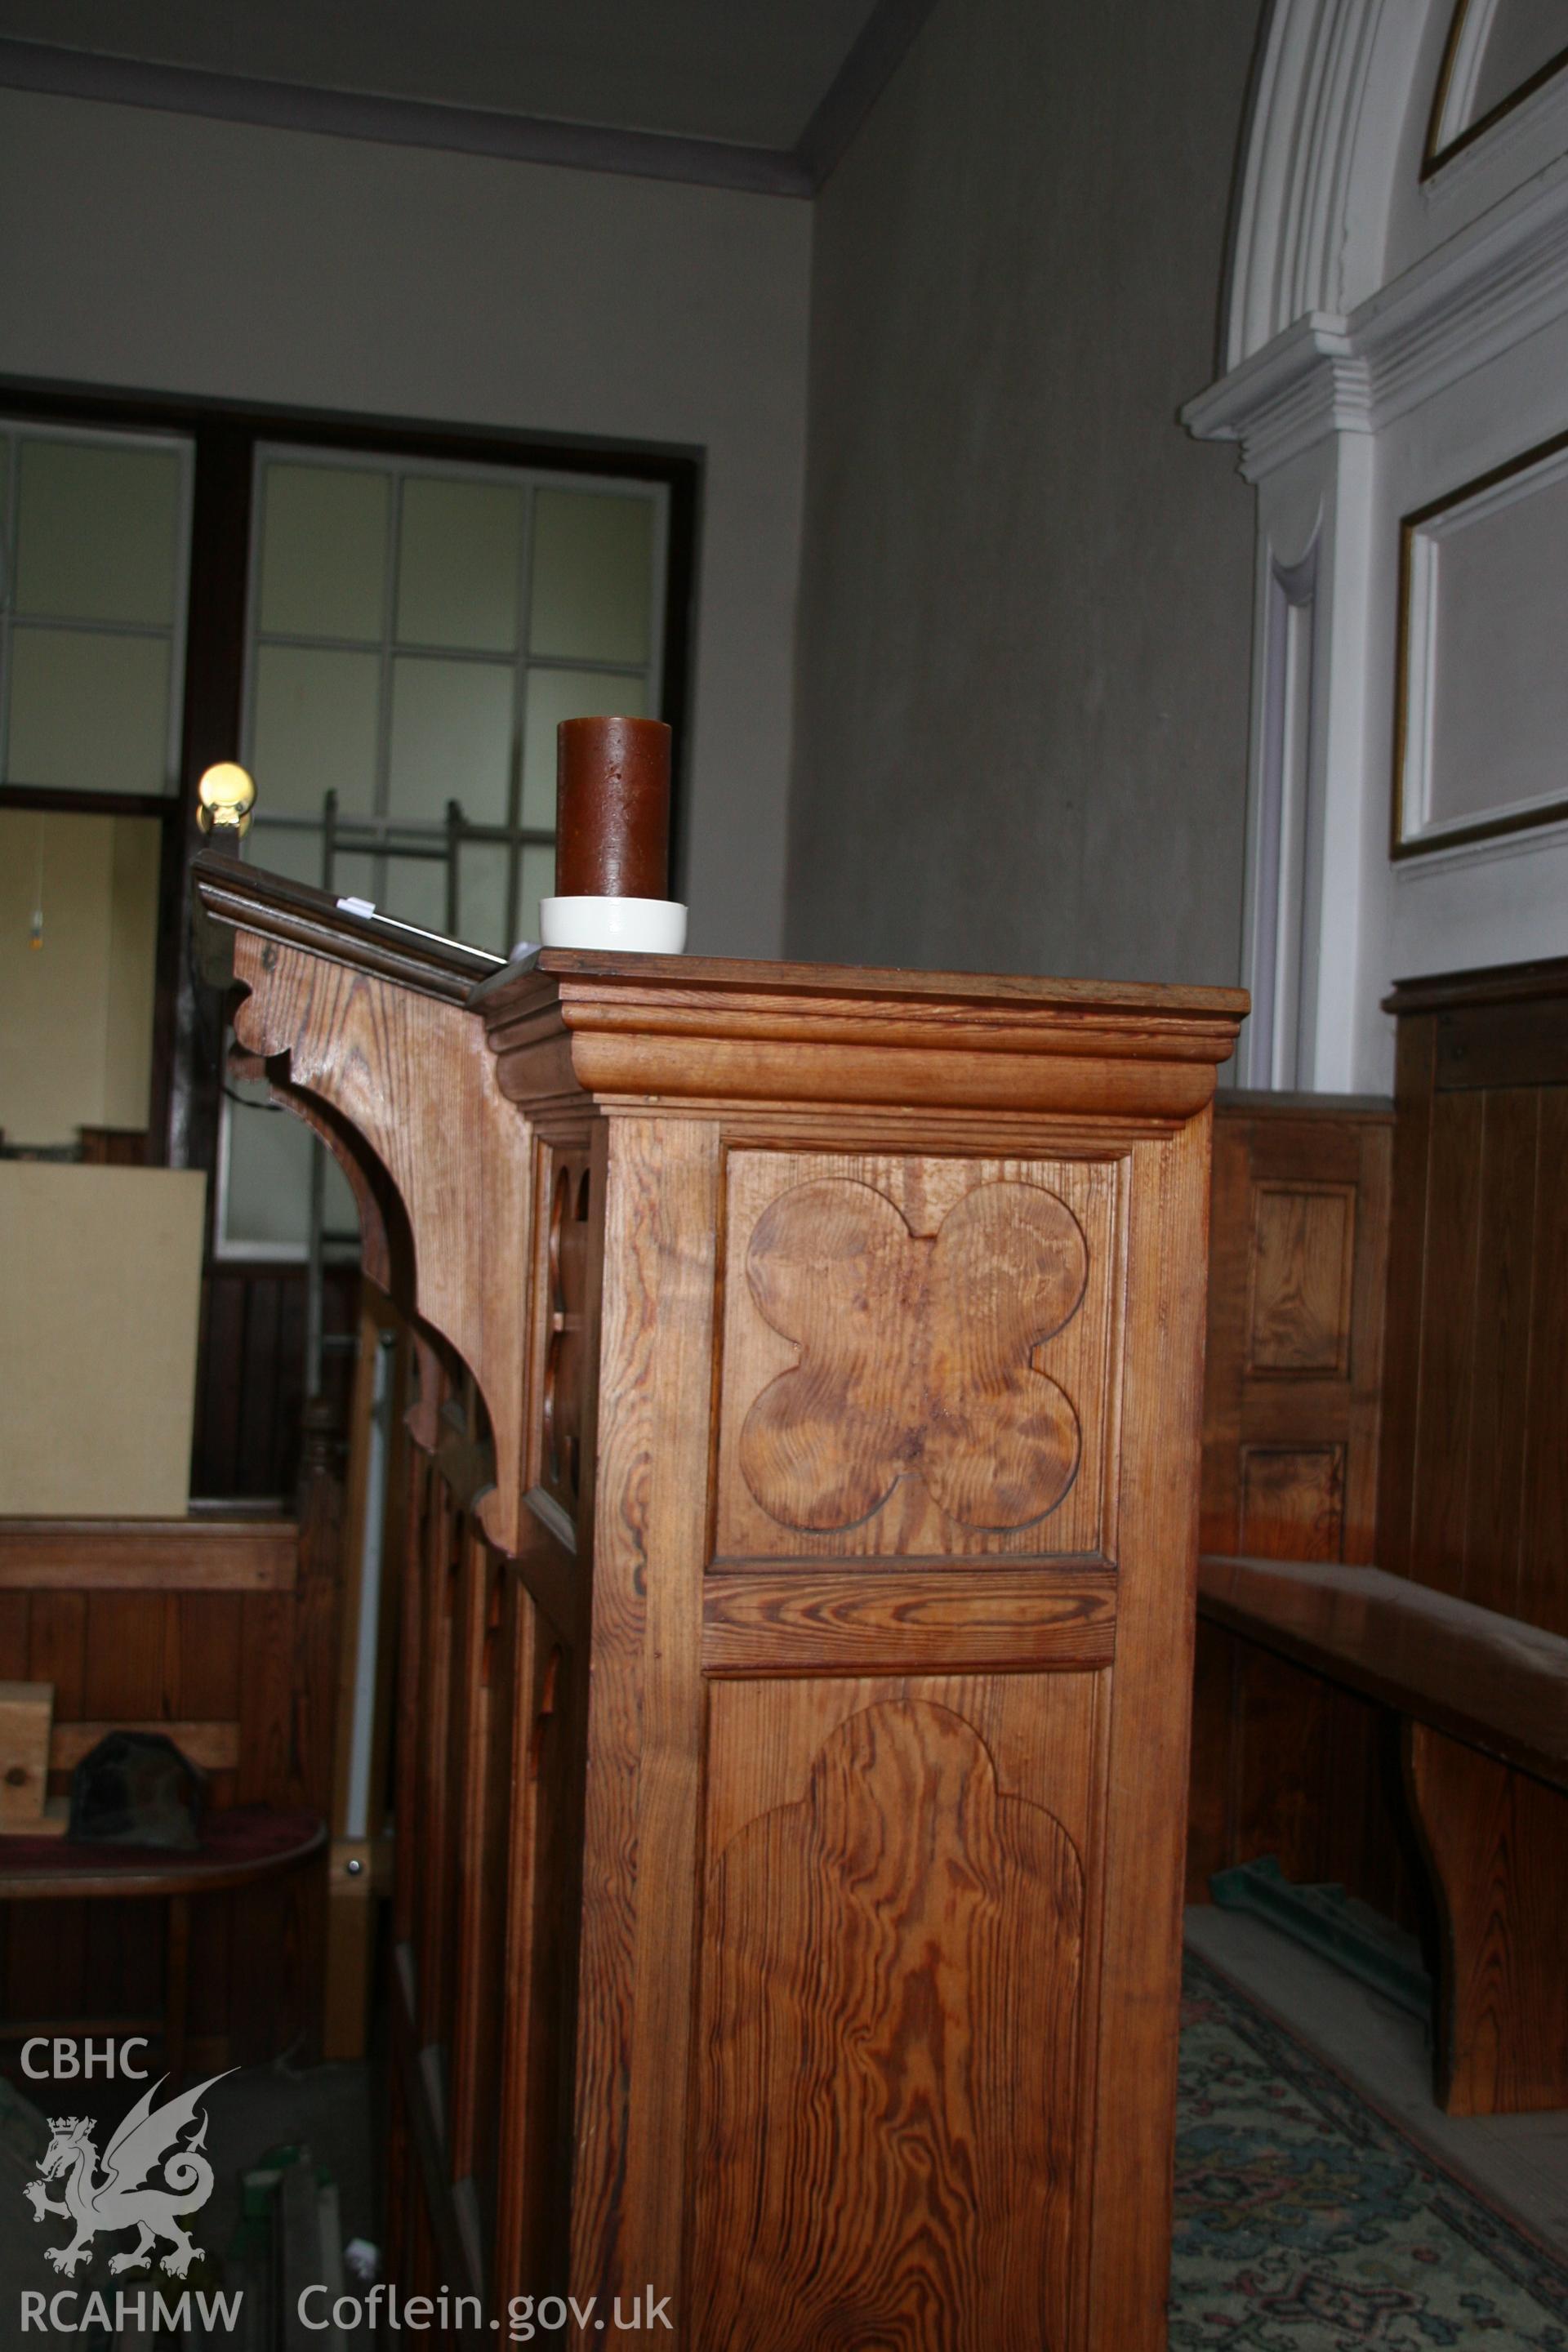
136	1788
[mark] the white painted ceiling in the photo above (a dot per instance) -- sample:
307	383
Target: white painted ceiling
747	72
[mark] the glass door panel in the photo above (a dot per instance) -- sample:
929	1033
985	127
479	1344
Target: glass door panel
416	631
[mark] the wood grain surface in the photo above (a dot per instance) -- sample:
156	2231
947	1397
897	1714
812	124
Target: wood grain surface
220	1632
1292	1383
405	1079
888	2056
915	1355
1494	1838
193	1555
713	1036
1303	1257
1499	1684
840	1338
833	1622
639	1962
1474	1498
919	1357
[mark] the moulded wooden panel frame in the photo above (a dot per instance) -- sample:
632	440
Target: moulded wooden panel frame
637	1963
1298	1321
805	2072
1050	1689
1293	1501
1256	1415
1076	1358
635	2087
1149	1731
651	1761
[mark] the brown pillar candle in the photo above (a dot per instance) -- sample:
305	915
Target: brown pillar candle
611	808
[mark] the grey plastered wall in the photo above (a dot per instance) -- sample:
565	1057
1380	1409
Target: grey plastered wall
165	252
1023	673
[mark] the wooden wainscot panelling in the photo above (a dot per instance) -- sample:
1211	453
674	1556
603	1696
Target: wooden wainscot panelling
1293	1501
1474	1497
1303	1256
1475	1487
219	1633
1298	1243
215	1554
250	1373
214	1746
919	1357
1282	1764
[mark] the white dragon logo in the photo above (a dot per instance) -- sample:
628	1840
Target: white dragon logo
124	2198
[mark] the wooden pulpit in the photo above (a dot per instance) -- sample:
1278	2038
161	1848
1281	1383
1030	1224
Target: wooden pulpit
794	1745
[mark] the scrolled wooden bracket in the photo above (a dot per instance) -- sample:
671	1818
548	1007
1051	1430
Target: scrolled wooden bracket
401	1086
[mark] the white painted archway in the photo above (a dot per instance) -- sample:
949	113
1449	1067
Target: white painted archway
1388	335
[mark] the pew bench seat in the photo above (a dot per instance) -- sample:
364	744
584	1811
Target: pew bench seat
1483	1700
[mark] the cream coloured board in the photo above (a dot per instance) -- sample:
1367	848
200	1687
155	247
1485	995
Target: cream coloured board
76	1038
99	1297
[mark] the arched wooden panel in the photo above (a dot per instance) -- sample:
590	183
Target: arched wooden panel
888	2056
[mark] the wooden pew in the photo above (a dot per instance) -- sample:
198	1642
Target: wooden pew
1483	1705
220	1630
1399	1728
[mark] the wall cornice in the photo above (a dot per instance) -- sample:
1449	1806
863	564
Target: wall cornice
1497	281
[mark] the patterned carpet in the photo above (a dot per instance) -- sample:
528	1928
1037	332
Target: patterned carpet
1306	2222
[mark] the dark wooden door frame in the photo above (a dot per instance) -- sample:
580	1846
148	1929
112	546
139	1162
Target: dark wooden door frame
187	1029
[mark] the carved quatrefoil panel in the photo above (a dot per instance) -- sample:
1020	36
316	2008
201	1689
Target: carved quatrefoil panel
908	1361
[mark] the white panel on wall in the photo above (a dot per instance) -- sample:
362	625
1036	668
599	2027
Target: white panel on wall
1485	718
1398	330
1522	39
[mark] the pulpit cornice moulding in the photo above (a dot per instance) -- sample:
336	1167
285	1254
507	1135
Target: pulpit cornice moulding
716	1037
